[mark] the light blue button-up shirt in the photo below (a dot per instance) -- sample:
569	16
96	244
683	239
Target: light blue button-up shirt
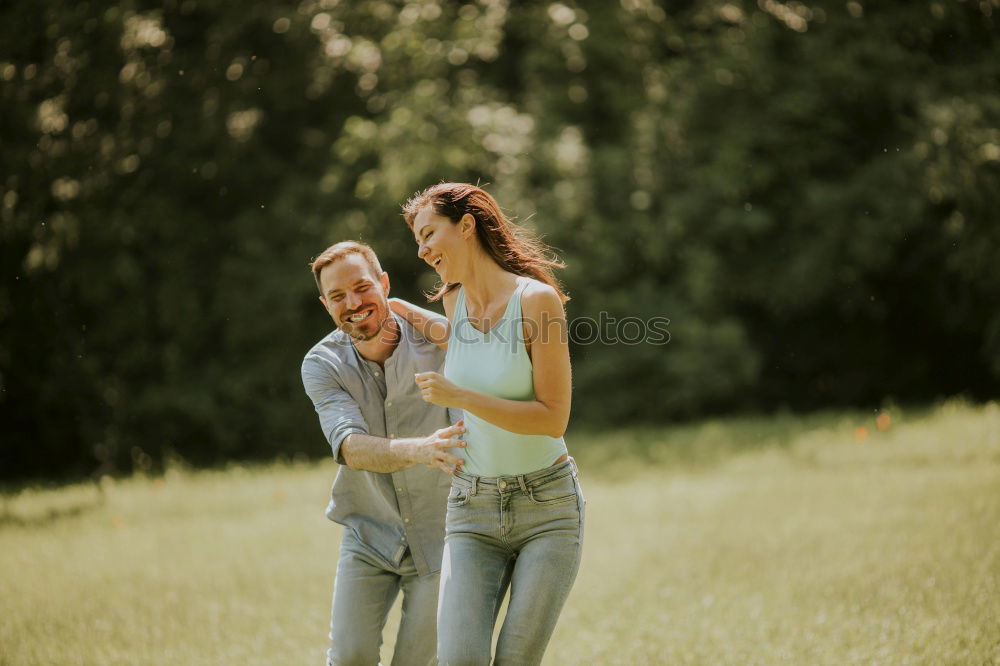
387	512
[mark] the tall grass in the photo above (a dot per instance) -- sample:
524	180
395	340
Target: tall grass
800	540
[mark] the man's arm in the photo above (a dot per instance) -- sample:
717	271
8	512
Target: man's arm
346	430
377	454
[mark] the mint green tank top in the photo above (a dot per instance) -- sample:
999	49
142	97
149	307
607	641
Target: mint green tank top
496	363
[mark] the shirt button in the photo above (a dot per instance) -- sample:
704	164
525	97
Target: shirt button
406	520
399	490
377	374
503	484
389	404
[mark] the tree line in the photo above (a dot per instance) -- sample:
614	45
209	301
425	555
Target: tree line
804	192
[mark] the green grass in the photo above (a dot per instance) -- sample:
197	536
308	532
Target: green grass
738	541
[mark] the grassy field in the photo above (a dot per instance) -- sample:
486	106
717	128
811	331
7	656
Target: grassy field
827	539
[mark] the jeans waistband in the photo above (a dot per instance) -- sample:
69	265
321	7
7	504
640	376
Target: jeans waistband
517	481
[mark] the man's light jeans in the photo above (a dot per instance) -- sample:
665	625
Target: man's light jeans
363	593
525	532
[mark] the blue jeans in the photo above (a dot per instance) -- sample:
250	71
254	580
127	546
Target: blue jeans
363	593
525	532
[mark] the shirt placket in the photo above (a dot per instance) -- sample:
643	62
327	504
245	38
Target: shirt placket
393	430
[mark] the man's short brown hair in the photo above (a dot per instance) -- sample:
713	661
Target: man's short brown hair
339	251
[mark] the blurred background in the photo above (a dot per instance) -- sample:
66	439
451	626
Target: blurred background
807	191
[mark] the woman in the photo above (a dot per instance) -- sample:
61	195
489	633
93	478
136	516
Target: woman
515	510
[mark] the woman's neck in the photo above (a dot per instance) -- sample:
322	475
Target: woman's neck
485	282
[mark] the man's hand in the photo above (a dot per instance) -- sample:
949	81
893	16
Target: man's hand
433	449
435	389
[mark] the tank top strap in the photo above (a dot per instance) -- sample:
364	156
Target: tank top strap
514	310
514	315
460	316
460	303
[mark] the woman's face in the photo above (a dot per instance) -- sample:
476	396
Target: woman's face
442	243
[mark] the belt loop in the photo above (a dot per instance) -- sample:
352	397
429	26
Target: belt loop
520	482
475	485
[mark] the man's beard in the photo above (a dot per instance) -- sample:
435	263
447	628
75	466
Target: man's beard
356	332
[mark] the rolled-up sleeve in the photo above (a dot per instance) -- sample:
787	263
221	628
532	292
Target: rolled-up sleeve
339	415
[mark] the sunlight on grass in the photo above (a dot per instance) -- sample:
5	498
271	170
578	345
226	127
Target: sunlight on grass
738	541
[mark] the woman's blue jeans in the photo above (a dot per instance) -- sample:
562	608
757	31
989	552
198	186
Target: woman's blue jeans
524	532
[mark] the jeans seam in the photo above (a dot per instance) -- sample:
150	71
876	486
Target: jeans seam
498	596
390	596
510	515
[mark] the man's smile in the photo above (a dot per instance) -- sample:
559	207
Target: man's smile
361	316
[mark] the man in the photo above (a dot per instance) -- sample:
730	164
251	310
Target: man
391	491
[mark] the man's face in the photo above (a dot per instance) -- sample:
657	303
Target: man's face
355	297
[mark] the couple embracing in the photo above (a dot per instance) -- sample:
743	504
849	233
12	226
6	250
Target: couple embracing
455	484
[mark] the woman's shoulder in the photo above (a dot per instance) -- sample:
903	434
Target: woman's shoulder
538	295
531	285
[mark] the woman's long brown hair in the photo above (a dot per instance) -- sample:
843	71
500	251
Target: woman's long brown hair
512	247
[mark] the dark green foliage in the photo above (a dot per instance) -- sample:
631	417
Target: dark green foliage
807	193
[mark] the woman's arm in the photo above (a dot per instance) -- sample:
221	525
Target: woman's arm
430	324
546	337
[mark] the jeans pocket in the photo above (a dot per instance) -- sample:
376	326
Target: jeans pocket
554	491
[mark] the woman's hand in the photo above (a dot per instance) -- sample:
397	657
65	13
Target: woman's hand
435	389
